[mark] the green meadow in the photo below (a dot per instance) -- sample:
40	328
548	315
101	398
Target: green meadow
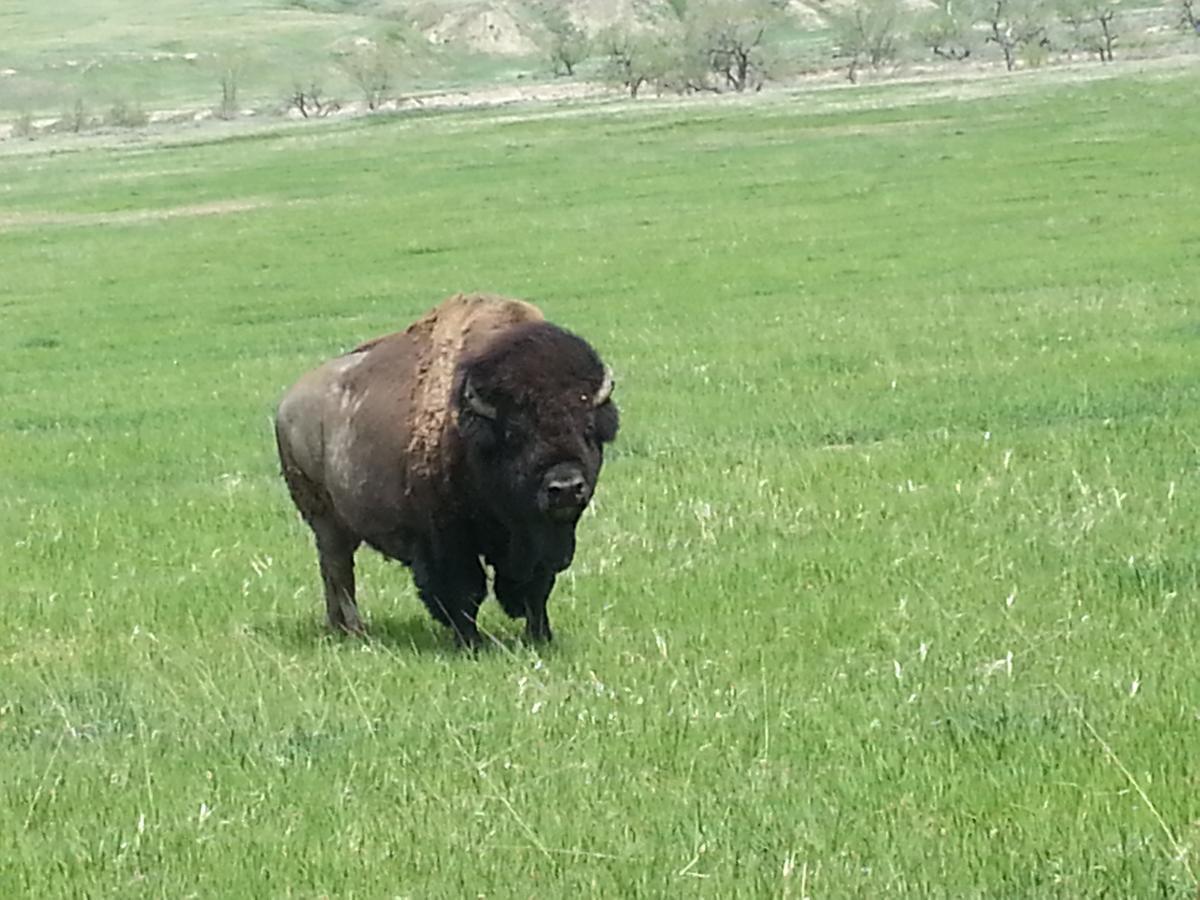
890	588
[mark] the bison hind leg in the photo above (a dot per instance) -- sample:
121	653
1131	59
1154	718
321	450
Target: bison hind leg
335	552
527	599
336	544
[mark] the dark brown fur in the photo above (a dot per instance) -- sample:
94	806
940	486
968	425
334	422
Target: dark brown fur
379	446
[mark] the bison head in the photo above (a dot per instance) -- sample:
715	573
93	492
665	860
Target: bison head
534	410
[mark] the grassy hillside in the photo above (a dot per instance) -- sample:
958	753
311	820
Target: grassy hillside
890	586
170	55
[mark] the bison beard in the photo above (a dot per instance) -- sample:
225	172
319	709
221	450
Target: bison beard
475	436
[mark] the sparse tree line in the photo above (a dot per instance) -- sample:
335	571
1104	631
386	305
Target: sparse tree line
81	117
372	68
732	45
705	46
701	46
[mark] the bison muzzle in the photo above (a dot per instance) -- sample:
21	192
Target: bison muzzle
474	437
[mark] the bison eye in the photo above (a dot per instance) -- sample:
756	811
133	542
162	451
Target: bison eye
591	432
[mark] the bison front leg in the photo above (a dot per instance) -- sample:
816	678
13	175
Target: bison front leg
528	598
335	551
452	586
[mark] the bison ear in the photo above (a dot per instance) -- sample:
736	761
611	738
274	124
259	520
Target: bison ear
476	417
607	423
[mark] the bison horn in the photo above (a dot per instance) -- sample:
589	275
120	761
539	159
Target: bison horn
606	388
475	403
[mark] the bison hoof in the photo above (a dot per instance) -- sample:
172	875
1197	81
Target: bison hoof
468	642
466	635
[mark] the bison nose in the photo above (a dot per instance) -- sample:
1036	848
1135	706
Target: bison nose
564	487
568	489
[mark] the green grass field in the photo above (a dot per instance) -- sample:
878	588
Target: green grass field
892	582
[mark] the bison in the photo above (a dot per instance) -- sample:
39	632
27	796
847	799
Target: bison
474	436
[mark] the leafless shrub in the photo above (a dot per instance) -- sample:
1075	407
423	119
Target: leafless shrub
308	99
372	67
947	30
125	114
566	44
633	60
230	69
866	33
23	126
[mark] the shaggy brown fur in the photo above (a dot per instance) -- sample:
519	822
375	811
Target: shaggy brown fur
476	432
458	328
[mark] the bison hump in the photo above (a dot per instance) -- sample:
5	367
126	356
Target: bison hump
461	326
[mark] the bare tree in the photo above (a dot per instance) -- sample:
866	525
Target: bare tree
77	118
309	100
372	66
230	68
684	71
1092	24
632	60
947	30
1189	16
866	33
731	38
567	45
1014	25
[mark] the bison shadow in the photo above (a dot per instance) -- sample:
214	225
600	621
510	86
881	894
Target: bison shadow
413	633
418	634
